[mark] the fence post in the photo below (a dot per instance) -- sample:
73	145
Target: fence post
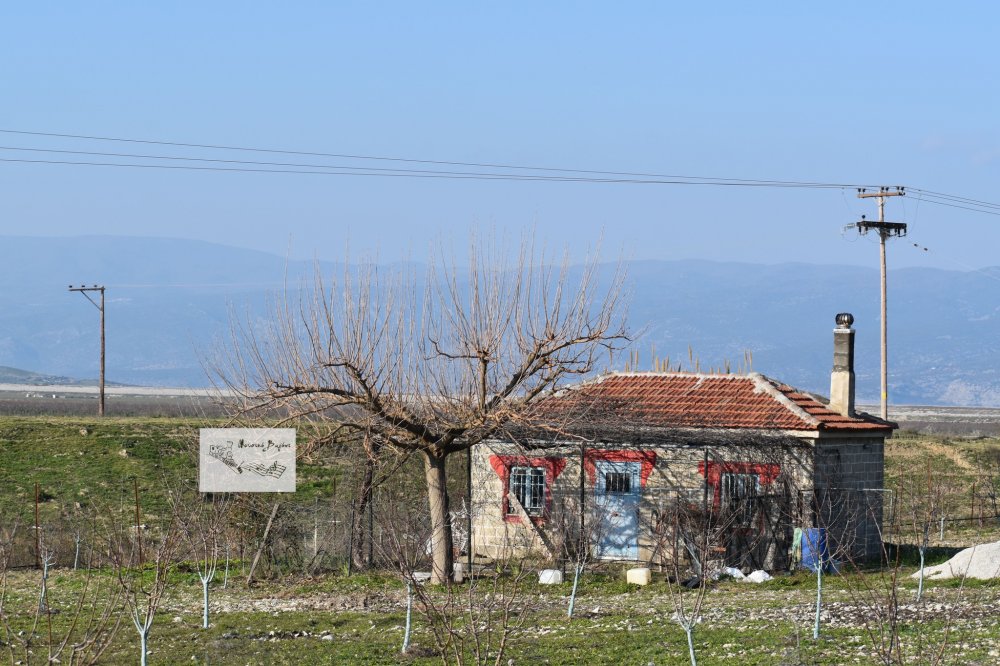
469	556
371	530
38	534
138	527
350	543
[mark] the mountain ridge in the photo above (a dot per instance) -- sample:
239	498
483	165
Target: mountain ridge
169	304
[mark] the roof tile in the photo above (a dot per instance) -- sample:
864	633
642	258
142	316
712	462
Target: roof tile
711	401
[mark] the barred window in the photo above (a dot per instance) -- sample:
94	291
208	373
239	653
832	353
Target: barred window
617	483
527	484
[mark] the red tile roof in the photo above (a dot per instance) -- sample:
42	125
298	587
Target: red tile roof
690	400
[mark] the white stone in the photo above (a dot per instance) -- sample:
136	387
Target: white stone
550	577
639	576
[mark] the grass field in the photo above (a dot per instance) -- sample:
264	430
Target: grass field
292	618
340	620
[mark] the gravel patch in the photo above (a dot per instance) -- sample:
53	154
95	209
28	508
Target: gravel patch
981	562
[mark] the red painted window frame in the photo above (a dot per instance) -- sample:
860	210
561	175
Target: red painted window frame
767	473
502	465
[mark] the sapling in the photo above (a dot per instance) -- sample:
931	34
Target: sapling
577	570
819	590
143	579
926	510
203	528
91	614
409	615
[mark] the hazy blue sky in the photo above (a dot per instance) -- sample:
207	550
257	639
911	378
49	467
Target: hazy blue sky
894	93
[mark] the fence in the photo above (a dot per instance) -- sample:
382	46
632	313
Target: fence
739	525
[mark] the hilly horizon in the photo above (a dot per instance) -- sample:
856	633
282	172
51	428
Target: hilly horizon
169	303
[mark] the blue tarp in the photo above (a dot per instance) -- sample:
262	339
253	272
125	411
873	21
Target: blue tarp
815	550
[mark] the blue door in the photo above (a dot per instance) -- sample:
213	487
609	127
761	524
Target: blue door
616	492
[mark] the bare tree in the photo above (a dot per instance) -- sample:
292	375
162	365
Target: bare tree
925	511
876	598
143	576
694	536
471	624
431	369
203	528
91	614
708	533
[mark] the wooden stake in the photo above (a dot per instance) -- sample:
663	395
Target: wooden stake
263	541
38	534
138	523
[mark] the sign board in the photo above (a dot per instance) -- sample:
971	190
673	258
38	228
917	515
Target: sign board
247	460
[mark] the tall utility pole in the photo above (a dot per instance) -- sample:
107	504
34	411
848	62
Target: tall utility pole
83	289
885	230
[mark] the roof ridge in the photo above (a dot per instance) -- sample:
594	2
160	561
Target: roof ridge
676	373
580	386
769	386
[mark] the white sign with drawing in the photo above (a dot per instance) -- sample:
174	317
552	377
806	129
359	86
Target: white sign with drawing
247	460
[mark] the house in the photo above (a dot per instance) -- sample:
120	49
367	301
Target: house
624	465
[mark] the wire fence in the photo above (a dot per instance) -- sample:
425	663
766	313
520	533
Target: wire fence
742	526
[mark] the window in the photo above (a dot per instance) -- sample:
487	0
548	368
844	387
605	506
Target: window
739	492
527	486
617	483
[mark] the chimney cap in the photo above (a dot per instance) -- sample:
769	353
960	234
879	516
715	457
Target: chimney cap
844	319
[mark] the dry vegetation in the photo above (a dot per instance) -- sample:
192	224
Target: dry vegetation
309	607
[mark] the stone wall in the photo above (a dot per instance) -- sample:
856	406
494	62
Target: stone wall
670	472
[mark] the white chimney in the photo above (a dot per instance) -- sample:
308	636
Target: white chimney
842	377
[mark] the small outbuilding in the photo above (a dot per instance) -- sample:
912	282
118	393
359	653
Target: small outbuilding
627	465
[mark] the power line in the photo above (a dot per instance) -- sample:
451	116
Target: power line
937	202
493	165
508	171
376	170
958	198
347	171
250	162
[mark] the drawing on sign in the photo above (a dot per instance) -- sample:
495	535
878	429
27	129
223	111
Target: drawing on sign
247	460
224	452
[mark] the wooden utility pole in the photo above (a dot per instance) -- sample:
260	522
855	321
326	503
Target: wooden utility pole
83	289
885	230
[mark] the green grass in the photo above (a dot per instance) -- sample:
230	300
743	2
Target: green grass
91	463
743	623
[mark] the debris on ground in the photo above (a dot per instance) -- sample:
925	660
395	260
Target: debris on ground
758	576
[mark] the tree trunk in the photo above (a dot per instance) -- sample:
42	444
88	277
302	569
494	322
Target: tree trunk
358	539
205	580
442	553
143	643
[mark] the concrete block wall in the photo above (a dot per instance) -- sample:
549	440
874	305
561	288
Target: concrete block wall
849	481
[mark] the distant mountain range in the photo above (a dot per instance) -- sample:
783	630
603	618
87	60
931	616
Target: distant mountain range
169	304
17	376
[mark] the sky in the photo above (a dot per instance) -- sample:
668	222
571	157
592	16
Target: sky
840	93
